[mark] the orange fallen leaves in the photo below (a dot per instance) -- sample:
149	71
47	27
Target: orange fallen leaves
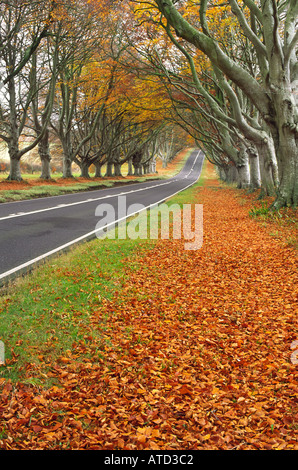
206	364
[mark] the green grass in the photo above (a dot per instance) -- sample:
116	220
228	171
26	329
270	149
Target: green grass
44	313
264	210
49	190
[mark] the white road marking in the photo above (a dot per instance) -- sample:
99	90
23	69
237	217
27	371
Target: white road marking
59	206
90	234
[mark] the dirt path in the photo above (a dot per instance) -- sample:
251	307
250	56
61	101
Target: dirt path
196	353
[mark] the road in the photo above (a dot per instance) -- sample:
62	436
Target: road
33	230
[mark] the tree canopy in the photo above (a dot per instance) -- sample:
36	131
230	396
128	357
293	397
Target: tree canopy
111	80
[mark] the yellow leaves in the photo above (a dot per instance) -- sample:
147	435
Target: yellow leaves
147	432
294	355
40	400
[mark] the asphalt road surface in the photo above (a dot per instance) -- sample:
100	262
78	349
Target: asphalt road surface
33	230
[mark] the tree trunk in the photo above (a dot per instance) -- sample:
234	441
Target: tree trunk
13	143
67	172
243	168
268	170
152	166
283	87
222	173
67	157
45	169
287	194
117	167
232	174
137	170
109	171
13	150
15	170
85	170
243	176
130	168
45	157
255	176
97	170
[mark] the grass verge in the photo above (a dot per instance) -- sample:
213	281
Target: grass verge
33	192
42	314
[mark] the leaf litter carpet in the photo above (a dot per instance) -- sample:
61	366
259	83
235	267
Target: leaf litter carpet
195	354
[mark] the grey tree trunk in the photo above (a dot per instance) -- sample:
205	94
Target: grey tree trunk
130	168
85	170
45	157
13	142
222	173
138	170
152	168
109	171
282	59
45	169
232	175
243	176
67	156
268	170
117	167
288	163
15	170
97	170
145	168
14	154
255	176
67	171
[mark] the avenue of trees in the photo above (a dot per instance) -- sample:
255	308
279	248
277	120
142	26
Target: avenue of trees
232	75
61	79
126	81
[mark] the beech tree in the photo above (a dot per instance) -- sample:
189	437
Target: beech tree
42	80
225	123
173	71
270	30
16	16
23	27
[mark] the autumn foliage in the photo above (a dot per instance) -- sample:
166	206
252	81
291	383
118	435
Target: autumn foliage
196	352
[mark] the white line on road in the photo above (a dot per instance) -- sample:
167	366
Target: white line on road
60	206
87	235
